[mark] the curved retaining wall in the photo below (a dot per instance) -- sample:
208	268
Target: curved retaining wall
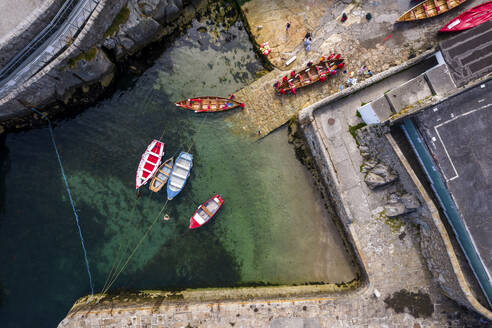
114	30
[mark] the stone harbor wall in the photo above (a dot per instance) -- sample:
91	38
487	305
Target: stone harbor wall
411	203
116	30
17	39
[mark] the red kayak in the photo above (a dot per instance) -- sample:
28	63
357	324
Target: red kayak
470	18
206	211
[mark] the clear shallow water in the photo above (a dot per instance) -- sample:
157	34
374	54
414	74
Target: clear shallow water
272	228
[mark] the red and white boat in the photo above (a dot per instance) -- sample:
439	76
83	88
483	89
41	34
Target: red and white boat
150	161
206	211
470	18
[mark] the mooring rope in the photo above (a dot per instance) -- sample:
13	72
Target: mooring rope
113	280
70	197
113	274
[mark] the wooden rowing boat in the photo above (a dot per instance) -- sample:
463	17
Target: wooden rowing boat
310	75
160	178
149	162
470	18
179	174
206	211
429	8
209	104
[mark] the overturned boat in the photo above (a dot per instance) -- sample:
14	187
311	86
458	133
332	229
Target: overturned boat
429	8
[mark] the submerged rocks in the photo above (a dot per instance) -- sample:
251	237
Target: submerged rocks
379	175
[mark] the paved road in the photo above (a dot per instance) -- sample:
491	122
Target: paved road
12	16
48	50
459	136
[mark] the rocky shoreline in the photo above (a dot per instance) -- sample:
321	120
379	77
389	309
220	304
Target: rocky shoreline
124	38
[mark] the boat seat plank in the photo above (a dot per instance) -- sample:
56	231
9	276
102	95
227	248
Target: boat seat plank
205	209
176	174
186	167
179	186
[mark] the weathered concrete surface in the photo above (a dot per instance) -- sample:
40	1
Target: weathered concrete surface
440	80
379	44
13	15
20	27
409	93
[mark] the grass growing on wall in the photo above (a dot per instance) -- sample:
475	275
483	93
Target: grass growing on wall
87	56
121	18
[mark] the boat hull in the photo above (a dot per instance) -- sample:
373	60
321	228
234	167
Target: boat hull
470	18
149	162
179	174
162	175
428	9
310	75
209	104
206	211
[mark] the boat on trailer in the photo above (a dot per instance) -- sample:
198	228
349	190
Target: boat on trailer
429	8
209	104
149	162
312	74
470	18
206	211
179	174
160	178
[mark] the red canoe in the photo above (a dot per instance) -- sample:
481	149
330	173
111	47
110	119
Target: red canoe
150	161
470	18
206	211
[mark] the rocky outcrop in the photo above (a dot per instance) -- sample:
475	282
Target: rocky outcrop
380	175
399	205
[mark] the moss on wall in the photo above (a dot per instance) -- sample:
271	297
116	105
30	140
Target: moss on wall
121	18
87	56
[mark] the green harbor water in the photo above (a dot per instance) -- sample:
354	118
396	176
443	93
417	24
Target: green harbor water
272	229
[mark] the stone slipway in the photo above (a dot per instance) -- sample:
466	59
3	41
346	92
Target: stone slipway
379	44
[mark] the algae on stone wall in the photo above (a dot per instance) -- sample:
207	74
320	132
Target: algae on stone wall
121	18
87	56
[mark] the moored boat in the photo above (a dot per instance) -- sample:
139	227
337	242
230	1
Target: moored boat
149	162
160	178
310	75
209	104
179	174
206	211
429	8
470	18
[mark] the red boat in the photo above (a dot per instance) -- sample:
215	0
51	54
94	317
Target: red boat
470	18
149	163
206	211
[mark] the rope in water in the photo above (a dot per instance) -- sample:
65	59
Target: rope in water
70	198
113	279
135	249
